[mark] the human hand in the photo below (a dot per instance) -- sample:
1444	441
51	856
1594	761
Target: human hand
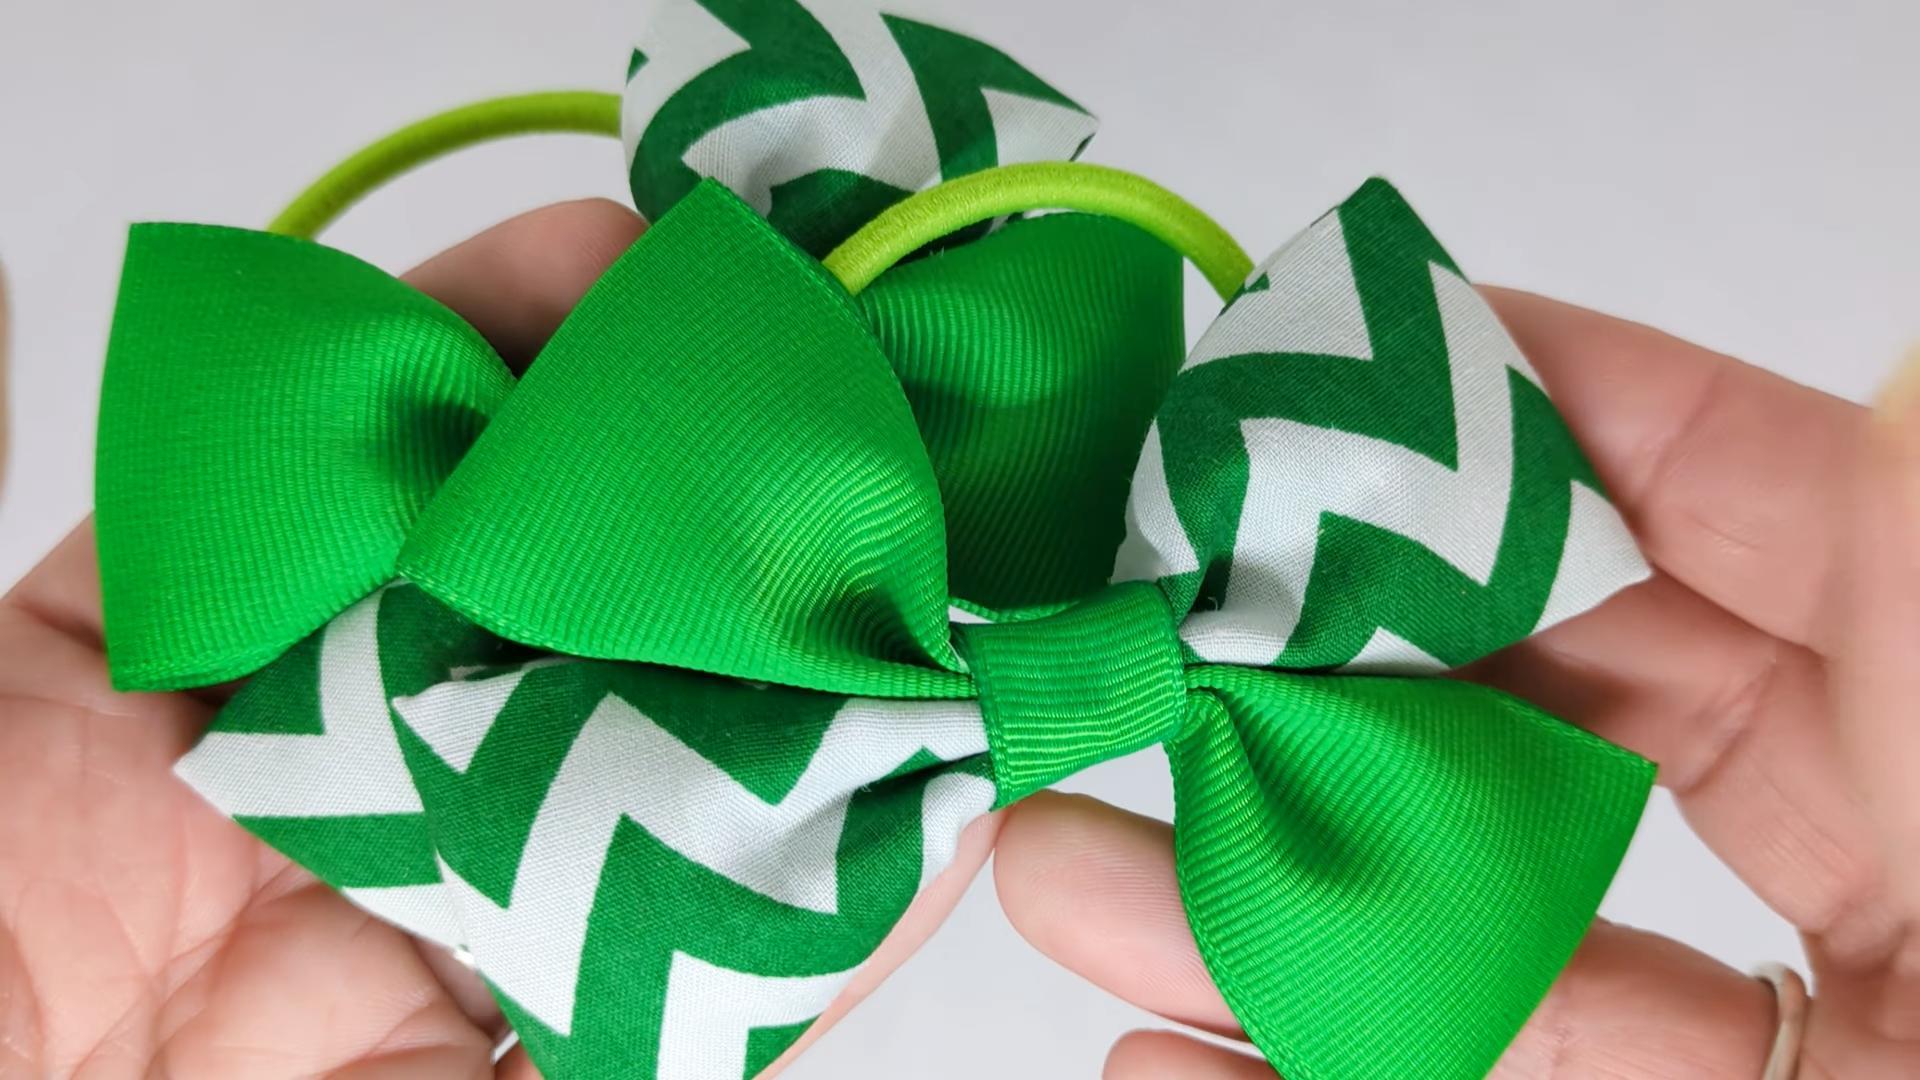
142	933
1768	667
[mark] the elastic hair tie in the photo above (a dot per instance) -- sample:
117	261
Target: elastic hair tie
896	233
1046	185
556	112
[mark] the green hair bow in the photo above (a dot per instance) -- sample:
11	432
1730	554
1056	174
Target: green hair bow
661	679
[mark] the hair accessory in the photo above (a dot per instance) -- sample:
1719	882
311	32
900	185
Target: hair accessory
848	504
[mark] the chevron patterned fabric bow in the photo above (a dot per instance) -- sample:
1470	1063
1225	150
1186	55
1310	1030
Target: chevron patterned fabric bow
660	679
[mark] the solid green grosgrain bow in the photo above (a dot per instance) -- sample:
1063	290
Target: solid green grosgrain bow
713	468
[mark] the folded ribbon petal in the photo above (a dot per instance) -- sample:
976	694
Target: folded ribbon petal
1357	467
822	114
656	520
659	873
1383	875
255	383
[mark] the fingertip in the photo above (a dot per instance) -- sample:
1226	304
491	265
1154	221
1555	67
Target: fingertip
1166	1055
1054	847
1876	618
1725	471
1633	1004
517	281
1094	888
924	916
583	236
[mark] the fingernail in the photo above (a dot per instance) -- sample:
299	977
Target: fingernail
1897	425
1899	402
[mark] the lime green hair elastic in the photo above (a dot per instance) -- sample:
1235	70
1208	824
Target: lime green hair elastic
584	112
899	231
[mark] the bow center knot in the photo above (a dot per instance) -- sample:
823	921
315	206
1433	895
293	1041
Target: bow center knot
1093	681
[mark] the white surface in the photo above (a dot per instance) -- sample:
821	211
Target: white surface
1741	172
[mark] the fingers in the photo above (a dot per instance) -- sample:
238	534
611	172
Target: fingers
1737	721
63	591
1638	1006
515	283
304	984
1094	888
518	280
1876	682
1726	472
1165	1055
922	918
1657	669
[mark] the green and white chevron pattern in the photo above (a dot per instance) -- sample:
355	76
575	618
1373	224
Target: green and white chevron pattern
1334	474
659	873
821	114
663	873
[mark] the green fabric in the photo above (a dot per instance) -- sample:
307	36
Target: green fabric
1015	407
1402	395
1033	361
1072	689
952	69
255	383
749	496
1384	875
790	58
483	817
807	550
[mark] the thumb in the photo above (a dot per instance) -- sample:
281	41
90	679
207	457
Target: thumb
1874	677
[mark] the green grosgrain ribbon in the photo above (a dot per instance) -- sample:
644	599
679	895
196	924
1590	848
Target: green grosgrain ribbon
660	679
715	468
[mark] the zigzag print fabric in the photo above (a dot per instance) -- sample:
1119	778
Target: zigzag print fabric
820	115
667	873
659	873
1356	468
667	859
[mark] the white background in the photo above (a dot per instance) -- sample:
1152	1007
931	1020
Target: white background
1745	173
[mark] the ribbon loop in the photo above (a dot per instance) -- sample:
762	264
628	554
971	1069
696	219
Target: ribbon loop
1099	679
1033	359
1358	468
821	115
710	466
274	416
1384	876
